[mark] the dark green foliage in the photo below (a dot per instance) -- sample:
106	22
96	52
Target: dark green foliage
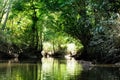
31	22
19	5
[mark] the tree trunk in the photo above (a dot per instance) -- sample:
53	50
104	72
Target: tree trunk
34	43
5	15
53	46
41	42
2	12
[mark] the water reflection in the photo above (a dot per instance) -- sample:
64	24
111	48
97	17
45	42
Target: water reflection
73	67
47	68
52	69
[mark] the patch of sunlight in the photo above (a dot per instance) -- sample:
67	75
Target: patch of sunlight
73	67
47	65
68	57
71	48
47	47
56	15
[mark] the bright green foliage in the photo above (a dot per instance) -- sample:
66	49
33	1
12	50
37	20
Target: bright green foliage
32	22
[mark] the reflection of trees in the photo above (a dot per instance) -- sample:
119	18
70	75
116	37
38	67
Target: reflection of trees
52	69
24	71
15	71
47	68
73	67
5	70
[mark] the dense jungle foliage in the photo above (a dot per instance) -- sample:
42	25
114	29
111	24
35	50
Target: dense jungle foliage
85	29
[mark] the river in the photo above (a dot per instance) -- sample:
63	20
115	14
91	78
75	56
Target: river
54	69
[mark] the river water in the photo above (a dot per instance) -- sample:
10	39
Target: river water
54	69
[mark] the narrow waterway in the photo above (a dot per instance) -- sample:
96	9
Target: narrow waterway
53	69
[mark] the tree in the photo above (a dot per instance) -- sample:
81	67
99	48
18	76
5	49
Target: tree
32	11
75	18
5	12
81	18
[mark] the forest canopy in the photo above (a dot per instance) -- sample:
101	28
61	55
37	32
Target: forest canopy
28	25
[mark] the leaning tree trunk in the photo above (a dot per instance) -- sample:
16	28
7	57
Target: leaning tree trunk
5	14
